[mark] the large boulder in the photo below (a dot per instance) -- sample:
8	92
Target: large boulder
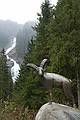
56	111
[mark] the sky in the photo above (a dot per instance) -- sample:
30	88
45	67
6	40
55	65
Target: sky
21	11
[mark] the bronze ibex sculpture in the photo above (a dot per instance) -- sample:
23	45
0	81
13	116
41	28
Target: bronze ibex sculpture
51	77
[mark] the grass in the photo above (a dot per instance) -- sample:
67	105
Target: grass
9	111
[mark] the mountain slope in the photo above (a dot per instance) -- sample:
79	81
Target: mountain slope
8	29
22	39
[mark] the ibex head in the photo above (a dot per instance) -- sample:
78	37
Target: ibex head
39	69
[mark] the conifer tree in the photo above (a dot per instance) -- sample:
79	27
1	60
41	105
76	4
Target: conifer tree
5	78
66	41
29	86
42	30
57	38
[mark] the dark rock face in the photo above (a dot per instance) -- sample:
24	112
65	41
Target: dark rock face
8	29
10	63
12	54
56	111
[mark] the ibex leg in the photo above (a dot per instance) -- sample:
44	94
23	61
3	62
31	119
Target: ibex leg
68	91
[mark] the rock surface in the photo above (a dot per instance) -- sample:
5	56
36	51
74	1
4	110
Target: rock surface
56	111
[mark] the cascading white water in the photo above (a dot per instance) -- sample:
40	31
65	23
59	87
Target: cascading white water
15	69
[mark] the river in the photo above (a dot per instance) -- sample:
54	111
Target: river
15	68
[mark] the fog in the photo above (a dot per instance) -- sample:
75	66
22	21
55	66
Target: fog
20	11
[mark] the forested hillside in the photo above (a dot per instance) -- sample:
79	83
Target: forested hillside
57	39
8	29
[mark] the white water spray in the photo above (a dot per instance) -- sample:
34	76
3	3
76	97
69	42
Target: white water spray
15	69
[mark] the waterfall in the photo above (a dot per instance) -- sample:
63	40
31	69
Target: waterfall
15	68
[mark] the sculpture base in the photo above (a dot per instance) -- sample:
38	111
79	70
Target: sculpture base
54	111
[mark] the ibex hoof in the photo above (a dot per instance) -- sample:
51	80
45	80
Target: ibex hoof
50	102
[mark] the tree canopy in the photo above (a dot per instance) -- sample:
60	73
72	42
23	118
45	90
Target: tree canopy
5	78
58	40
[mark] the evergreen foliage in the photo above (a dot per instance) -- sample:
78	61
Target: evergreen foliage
5	78
32	88
58	39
